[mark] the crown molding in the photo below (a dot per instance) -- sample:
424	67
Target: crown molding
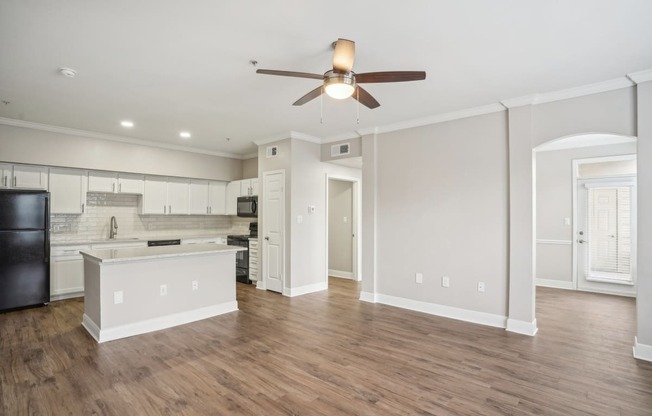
289	135
350	135
438	118
640	76
249	156
548	97
305	137
110	137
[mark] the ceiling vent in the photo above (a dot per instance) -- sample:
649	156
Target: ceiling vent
340	149
272	151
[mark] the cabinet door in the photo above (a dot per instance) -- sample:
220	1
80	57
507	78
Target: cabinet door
101	182
254	186
66	277
67	191
30	177
217	198
155	195
198	197
5	176
245	187
178	195
232	194
131	184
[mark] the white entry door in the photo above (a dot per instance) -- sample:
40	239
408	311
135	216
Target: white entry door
606	236
273	230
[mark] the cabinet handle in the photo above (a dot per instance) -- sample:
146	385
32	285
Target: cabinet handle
5	185
120	187
14	181
169	209
83	208
165	209
112	187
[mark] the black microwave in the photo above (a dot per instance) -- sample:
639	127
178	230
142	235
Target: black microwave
248	206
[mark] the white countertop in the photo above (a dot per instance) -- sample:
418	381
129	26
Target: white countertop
140	253
135	239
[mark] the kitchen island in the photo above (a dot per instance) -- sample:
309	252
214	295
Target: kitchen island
132	291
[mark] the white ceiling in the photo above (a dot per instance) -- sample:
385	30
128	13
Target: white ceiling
170	65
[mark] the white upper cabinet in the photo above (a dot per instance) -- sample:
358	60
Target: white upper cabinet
178	195
102	182
129	183
155	195
5	175
198	197
248	187
30	177
232	194
217	198
254	186
67	191
111	182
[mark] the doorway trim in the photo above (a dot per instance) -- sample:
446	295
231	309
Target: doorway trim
357	224
576	179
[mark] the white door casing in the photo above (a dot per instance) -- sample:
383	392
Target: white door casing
273	230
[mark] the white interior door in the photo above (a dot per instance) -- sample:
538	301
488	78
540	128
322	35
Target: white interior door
606	236
273	230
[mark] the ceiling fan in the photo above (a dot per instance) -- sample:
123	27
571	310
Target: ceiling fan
341	82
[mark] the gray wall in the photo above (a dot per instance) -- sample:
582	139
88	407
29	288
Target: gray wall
442	210
340	231
554	196
250	168
24	145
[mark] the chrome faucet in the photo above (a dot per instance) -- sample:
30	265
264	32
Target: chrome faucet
114	228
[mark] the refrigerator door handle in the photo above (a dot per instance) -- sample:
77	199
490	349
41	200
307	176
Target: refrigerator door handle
47	229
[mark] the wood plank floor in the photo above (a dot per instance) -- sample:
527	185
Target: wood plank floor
329	354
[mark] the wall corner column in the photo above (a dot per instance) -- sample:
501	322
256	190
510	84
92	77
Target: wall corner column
368	292
643	339
521	315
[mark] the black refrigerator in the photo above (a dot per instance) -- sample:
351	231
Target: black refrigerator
24	248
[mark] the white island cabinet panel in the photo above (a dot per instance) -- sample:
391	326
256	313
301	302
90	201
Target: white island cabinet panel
133	291
198	197
155	196
68	191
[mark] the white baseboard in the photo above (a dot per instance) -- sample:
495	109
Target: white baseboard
156	324
466	315
642	351
260	284
522	327
368	297
63	296
304	290
340	273
556	284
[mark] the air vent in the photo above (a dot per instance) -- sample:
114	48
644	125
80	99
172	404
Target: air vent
340	149
272	151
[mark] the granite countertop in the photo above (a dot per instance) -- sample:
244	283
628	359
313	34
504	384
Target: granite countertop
140	253
134	239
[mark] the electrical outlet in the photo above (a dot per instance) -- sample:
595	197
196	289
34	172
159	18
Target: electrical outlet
445	281
195	285
118	297
419	277
480	286
345	220
164	290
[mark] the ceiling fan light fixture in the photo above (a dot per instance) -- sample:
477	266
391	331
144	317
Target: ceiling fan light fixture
339	86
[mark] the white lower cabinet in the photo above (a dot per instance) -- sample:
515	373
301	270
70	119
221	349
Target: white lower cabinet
67	272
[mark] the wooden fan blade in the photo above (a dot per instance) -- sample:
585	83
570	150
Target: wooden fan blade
310	96
289	74
390	76
365	98
344	55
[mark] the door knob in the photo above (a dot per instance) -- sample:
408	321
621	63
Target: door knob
267	238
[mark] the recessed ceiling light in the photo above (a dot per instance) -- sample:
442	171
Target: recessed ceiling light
127	123
184	135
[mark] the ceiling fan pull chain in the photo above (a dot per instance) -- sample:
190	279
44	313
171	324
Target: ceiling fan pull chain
357	105
321	109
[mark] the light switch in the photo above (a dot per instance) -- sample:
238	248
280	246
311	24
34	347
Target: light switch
345	219
118	297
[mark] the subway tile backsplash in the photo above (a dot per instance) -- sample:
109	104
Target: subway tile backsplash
95	222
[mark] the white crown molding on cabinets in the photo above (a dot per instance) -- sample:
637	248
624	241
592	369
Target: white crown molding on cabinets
640	76
548	97
110	137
